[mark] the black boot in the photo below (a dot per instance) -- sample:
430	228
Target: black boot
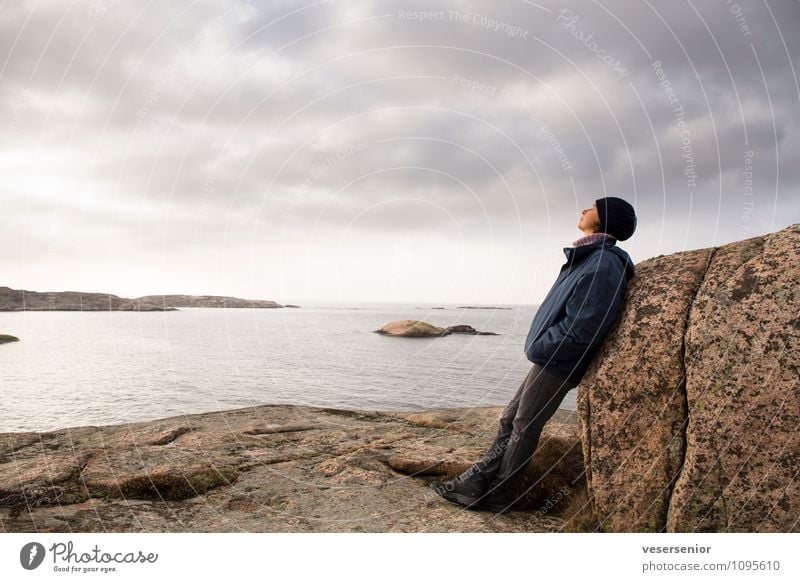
498	499
461	490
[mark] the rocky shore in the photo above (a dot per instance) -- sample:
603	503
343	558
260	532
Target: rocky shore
687	422
279	469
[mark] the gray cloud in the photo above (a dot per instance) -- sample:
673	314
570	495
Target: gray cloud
222	129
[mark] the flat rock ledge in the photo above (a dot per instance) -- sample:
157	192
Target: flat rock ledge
281	469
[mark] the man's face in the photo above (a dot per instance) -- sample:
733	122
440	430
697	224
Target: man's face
590	219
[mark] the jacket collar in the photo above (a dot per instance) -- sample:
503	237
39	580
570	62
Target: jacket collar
576	254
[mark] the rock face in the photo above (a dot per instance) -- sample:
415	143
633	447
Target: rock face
743	391
689	412
276	468
414	328
632	400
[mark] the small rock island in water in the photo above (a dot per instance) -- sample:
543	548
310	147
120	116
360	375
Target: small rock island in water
414	328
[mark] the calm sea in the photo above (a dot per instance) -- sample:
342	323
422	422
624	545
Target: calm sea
95	368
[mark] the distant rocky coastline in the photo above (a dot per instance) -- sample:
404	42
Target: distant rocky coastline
171	301
22	300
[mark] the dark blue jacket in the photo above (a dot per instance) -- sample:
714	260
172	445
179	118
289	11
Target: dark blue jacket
580	309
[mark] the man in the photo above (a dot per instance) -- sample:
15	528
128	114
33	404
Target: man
572	321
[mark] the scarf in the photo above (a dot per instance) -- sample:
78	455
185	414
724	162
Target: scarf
592	238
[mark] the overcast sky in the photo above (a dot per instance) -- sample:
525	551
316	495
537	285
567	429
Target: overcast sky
337	152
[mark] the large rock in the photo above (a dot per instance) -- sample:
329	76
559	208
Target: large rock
690	409
632	399
743	391
411	328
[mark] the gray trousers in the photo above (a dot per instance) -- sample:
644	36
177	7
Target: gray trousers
521	423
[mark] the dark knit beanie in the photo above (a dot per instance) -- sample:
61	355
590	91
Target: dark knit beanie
617	217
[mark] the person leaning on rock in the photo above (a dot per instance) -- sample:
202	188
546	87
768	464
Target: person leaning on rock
572	321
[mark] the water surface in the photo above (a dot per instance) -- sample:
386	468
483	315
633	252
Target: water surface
96	368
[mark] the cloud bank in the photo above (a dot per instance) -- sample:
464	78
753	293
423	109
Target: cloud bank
382	151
